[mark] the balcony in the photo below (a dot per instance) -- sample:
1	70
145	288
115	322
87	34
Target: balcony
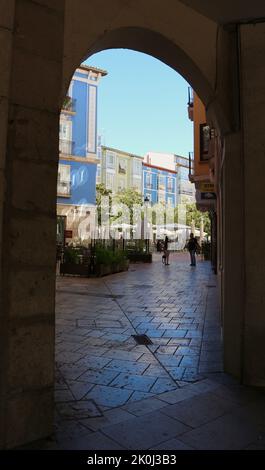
69	105
191	167
64	188
66	147
190	103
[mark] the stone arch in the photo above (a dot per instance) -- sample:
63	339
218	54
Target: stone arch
41	39
158	46
164	33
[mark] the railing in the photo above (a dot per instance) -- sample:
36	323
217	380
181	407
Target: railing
64	188
66	147
190	97
191	164
69	104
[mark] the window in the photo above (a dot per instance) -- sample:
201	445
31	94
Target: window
161	183
122	166
205	135
110	181
121	184
161	196
137	167
98	174
110	157
148	195
65	130
148	180
64	181
137	184
170	184
65	145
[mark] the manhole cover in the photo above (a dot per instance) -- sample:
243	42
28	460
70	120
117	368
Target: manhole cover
141	286
142	339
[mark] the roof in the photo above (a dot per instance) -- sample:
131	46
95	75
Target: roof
129	154
90	68
159	168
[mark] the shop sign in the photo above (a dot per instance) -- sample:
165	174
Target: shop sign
207	187
68	234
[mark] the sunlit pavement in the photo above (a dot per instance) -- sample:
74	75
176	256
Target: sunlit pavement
112	393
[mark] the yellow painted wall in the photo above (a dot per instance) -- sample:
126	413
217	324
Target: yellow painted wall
199	117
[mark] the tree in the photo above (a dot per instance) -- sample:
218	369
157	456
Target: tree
102	191
193	214
129	197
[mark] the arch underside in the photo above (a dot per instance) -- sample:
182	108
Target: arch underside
156	45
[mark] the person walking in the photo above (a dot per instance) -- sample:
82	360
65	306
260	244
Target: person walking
166	250
192	247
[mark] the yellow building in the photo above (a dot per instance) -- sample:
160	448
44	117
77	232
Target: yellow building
203	166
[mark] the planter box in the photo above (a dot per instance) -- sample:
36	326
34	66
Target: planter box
74	269
140	257
117	268
105	269
102	269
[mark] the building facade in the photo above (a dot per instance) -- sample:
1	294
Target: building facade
159	185
76	184
119	170
185	188
204	167
184	191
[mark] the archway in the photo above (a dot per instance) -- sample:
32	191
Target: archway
89	353
29	213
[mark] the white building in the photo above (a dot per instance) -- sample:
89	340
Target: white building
185	192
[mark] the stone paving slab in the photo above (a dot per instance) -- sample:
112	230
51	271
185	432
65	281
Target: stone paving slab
148	397
109	396
145	431
199	409
229	432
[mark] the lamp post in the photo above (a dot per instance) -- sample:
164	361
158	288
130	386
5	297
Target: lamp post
147	227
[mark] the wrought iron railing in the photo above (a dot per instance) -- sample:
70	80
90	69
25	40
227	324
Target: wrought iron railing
191	164
66	147
64	188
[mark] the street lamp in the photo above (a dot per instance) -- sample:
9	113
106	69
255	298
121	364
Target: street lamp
147	228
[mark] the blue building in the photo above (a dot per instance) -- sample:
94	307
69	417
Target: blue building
159	185
76	187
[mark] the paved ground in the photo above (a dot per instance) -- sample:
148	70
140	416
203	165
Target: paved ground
112	393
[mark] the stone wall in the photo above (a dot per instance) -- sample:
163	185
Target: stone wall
31	90
252	49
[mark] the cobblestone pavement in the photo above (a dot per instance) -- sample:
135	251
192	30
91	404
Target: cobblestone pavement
113	393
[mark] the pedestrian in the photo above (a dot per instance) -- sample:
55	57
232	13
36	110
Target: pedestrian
166	251
192	246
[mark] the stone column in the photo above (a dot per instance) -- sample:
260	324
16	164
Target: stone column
232	264
252	68
29	221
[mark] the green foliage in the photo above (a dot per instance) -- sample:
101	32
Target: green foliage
136	246
193	214
102	191
71	255
129	197
106	256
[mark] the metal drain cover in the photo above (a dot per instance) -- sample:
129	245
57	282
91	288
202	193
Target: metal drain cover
142	339
141	286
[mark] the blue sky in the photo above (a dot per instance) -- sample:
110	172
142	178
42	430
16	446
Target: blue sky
142	104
